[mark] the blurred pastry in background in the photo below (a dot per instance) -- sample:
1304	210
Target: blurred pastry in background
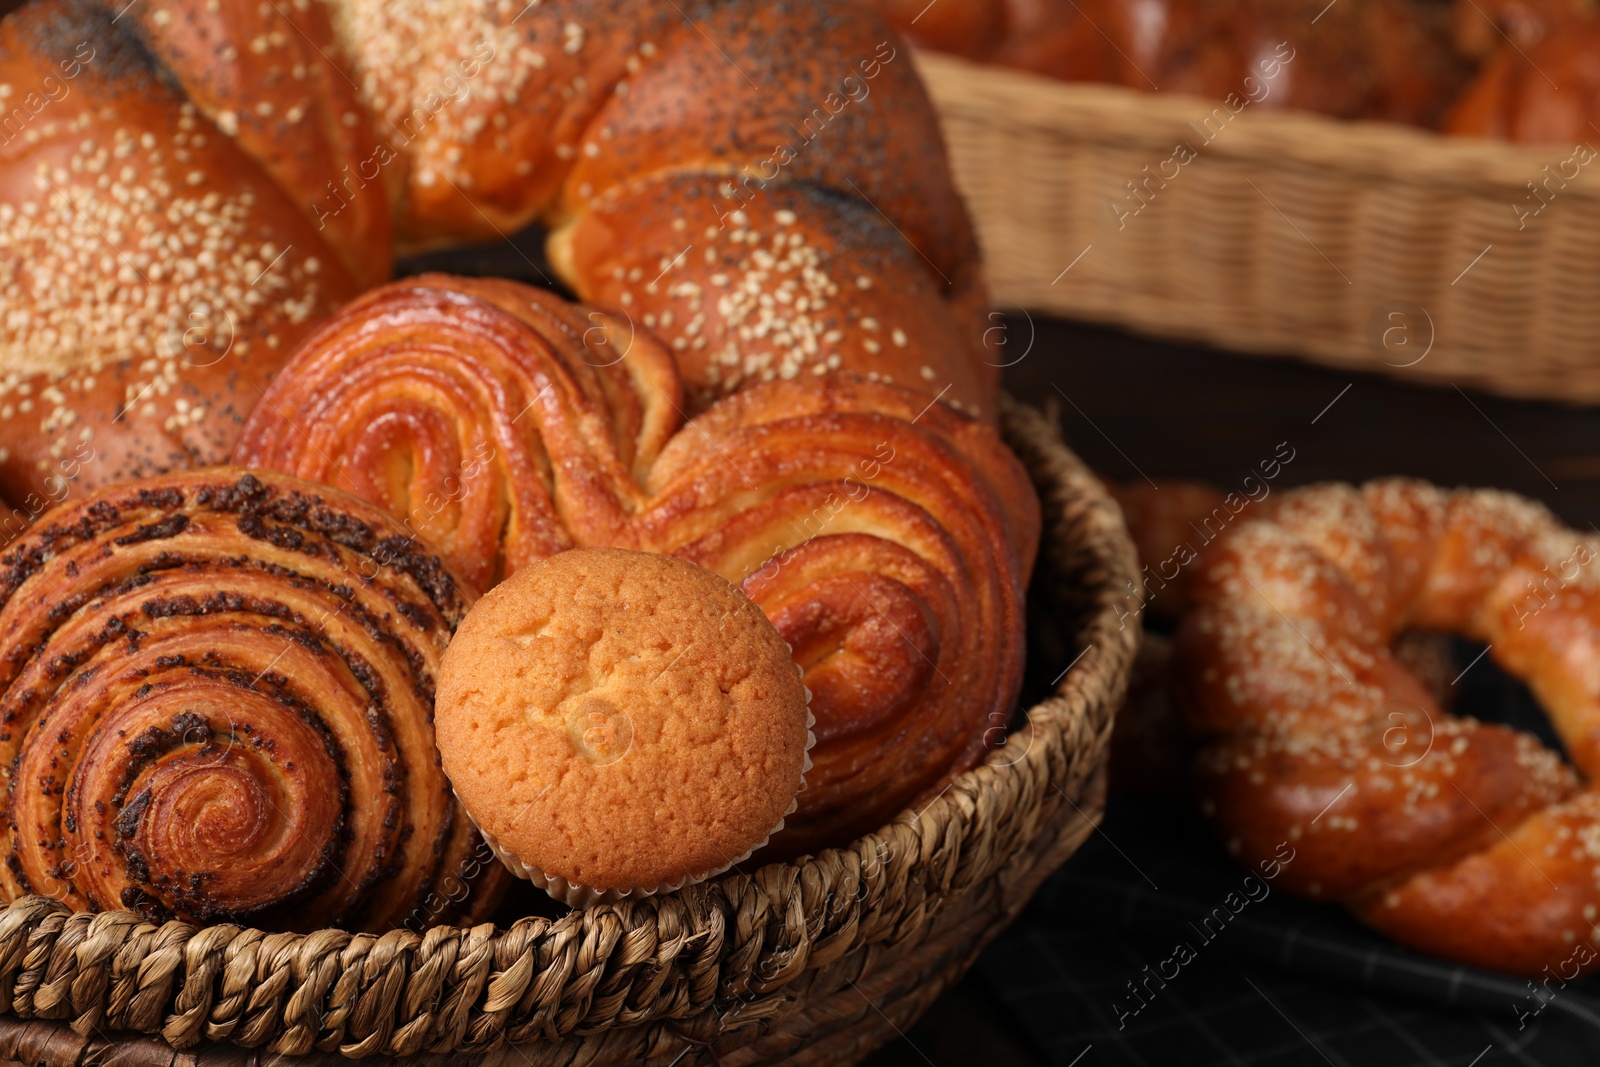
1381	59
1546	92
1486	26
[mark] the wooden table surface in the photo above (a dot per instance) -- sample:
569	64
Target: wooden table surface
1140	409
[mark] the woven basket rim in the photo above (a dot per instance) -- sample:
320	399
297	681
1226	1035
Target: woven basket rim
1284	234
97	973
1117	115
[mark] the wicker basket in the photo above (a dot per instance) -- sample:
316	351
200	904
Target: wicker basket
810	963
1364	245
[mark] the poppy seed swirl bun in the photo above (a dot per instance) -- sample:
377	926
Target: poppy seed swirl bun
216	696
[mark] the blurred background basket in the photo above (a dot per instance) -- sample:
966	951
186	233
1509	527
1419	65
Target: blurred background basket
1363	245
814	963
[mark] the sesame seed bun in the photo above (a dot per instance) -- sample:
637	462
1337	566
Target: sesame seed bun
154	274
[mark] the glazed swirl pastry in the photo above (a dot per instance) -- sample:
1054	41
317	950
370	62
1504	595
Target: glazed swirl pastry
497	421
217	700
890	541
888	537
1469	840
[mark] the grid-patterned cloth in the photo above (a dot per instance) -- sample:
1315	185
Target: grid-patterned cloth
1280	982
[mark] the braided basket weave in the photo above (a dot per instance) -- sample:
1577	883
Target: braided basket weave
1365	245
815	962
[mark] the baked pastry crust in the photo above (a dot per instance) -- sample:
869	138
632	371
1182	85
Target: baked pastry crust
152	275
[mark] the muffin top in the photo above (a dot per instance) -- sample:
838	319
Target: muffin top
621	719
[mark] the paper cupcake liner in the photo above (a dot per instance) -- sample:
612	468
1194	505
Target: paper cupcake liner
577	895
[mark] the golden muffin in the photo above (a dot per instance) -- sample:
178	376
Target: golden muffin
620	723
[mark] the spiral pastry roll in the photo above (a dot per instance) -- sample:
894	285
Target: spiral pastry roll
889	541
216	704
495	420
